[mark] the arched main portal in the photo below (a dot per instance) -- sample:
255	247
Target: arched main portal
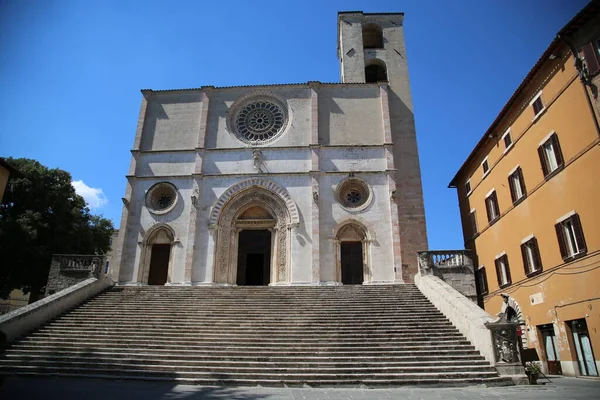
263	207
352	254
156	264
255	232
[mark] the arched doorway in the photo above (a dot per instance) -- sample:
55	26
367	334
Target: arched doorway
255	204
352	254
255	226
155	266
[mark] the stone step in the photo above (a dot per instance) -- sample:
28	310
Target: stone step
247	328
116	364
284	376
258	350
369	383
236	352
153	332
154	358
323	336
252	343
270	318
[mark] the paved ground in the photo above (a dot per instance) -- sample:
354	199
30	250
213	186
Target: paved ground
67	389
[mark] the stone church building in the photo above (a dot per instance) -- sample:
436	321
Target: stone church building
290	184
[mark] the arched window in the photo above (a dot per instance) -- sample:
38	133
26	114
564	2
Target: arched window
376	72
372	37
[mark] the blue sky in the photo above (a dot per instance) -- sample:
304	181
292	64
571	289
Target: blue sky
71	71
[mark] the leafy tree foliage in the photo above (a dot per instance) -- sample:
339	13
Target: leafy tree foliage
41	215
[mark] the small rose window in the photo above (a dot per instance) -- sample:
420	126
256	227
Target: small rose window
353	194
161	198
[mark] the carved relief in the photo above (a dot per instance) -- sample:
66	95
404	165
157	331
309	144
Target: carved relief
229	223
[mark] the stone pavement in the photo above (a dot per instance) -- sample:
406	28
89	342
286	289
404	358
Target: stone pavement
67	389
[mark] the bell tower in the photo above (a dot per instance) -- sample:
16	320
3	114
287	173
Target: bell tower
371	49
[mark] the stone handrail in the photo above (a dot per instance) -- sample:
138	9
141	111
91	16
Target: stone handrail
21	321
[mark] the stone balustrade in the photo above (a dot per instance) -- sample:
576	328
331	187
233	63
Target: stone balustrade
455	267
69	269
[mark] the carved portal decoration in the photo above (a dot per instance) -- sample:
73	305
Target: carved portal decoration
231	216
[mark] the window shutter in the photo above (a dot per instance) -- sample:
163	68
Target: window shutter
508	278
473	222
561	241
521	181
536	254
526	264
557	150
591	59
484	289
495	204
578	233
511	186
498	273
488	208
543	160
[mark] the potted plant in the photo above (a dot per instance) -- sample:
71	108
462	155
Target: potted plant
533	369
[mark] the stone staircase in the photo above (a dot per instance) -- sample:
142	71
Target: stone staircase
271	336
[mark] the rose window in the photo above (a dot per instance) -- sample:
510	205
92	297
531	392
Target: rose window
161	198
258	120
353	194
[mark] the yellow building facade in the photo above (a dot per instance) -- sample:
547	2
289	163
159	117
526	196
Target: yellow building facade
529	198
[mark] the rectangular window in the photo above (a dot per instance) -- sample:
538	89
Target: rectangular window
468	187
591	56
503	271
538	105
516	183
507	140
485	166
481	279
570	238
550	156
531	257
492	208
473	221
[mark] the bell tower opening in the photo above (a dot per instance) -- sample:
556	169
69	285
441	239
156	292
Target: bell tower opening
372	36
254	257
376	72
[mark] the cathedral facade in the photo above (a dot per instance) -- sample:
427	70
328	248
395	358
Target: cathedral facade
292	184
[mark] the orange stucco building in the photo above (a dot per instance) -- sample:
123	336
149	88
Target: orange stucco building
529	198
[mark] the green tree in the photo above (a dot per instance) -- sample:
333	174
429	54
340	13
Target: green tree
41	215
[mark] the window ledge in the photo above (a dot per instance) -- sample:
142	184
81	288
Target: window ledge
493	221
519	200
575	256
505	285
555	172
509	148
485	174
538	115
534	273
